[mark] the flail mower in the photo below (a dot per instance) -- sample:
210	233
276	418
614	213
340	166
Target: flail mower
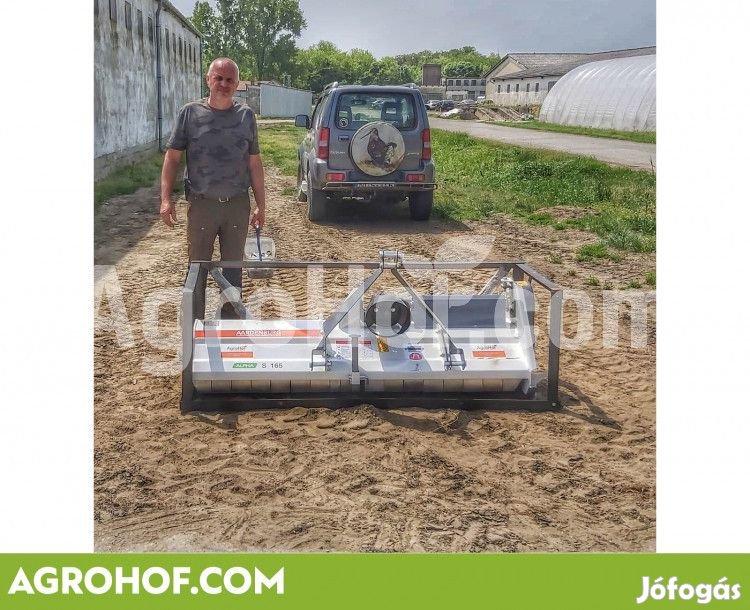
408	349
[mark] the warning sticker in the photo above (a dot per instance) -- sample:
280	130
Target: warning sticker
343	350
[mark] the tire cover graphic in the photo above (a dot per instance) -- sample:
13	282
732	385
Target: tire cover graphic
378	149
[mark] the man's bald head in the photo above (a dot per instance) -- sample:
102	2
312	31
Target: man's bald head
222	79
222	63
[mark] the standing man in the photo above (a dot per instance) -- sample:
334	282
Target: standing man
220	137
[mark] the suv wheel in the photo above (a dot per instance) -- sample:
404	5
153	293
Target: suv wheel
316	202
301	195
420	205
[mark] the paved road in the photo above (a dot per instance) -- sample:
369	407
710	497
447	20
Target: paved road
616	152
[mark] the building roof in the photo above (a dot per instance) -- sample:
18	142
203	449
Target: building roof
180	17
557	64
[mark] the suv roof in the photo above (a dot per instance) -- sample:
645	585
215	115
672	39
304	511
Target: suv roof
349	88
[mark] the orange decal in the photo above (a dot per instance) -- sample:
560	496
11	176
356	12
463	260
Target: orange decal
236	354
257	332
488	354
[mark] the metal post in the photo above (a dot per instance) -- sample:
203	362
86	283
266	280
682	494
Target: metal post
555	333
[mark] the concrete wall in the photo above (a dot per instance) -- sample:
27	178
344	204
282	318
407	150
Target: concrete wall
125	105
283	102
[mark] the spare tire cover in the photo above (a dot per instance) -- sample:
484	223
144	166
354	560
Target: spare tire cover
378	148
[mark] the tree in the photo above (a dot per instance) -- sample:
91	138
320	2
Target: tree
268	29
461	69
207	24
258	34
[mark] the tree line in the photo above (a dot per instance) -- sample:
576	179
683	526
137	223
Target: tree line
261	36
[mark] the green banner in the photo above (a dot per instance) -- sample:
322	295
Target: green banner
382	581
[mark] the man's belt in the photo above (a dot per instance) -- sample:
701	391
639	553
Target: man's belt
225	199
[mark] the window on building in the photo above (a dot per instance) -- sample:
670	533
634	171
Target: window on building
190	52
550	85
179	47
139	23
151	30
508	89
113	10
473	82
96	7
528	87
499	88
128	16
536	88
174	47
518	87
483	82
466	82
166	40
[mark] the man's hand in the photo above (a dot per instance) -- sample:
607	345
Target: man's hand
168	213
258	219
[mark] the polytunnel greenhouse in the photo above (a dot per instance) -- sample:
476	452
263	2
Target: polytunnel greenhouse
613	94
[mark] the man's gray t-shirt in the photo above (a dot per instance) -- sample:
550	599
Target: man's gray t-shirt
217	143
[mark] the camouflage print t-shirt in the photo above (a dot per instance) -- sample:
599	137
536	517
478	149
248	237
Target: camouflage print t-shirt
218	143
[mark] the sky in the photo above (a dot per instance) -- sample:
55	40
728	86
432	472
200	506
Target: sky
393	27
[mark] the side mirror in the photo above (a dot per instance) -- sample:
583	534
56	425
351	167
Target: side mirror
302	120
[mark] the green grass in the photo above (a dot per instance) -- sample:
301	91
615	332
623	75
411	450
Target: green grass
478	178
647	137
651	279
130	178
590	252
278	144
555	259
633	284
592	280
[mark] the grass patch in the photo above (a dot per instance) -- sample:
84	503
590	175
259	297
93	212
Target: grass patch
592	280
651	279
555	259
129	178
279	143
646	137
478	178
633	284
590	252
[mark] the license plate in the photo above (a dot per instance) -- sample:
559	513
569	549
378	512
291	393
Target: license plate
374	185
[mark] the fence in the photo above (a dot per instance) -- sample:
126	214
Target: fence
275	101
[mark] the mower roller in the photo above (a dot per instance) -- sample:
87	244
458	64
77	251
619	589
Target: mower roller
457	350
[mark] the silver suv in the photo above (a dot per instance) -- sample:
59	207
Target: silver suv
366	143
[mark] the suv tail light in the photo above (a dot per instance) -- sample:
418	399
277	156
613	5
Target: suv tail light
426	145
323	142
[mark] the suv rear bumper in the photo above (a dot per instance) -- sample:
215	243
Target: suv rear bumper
383	187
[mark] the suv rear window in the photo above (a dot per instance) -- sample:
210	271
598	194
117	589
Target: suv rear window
357	109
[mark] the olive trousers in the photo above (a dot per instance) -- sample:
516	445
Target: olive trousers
209	218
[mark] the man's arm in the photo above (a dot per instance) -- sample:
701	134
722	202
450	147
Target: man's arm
168	172
258	184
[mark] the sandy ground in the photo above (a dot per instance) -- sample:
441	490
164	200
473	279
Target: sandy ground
364	479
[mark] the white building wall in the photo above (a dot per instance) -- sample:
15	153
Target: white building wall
522	97
125	105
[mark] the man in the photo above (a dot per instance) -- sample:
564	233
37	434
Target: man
220	137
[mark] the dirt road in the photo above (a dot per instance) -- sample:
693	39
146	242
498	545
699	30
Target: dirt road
363	479
636	155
